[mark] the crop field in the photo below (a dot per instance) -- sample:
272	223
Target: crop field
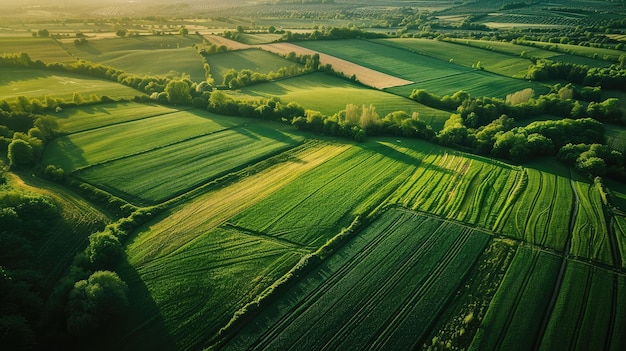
254	39
139	55
453	185
584	311
329	95
434	75
531	51
388	283
600	53
120	140
35	83
464	55
253	59
619	227
518	306
162	172
44	49
616	137
73	120
541	213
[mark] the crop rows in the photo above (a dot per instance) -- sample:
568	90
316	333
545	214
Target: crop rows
590	238
388	283
160	173
619	226
516	312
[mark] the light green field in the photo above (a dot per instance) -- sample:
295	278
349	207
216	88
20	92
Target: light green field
168	55
253	59
383	289
329	95
44	49
615	137
35	83
72	120
109	143
434	75
465	55
599	53
254	39
161	173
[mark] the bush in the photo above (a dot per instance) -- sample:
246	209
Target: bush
104	250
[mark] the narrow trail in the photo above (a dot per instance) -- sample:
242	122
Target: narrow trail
559	279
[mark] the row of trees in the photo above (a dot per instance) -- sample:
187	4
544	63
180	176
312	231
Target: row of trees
613	77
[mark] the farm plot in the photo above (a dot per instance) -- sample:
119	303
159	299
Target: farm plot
252	59
329	95
541	214
388	284
434	75
590	237
108	143
161	173
354	182
43	49
35	83
518	307
72	120
464	55
191	265
619	227
139	55
584	310
461	187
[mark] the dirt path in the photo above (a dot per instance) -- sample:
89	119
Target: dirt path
364	75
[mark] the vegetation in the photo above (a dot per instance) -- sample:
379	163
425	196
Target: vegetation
443	175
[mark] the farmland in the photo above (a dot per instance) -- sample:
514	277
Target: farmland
435	75
330	95
34	83
353	294
292	206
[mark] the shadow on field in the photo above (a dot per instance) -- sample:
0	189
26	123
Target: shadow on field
142	327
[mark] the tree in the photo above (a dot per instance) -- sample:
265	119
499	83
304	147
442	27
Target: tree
240	29
104	250
95	301
20	153
178	92
271	29
121	32
183	31
43	33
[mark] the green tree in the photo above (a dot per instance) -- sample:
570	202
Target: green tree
104	250
43	33
121	32
183	31
95	302
178	92
20	153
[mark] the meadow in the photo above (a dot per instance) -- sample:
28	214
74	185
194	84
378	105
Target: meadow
44	49
34	83
253	59
329	95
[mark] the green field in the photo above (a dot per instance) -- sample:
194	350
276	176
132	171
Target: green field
329	95
465	55
518	306
590	237
382	290
44	49
35	83
170	56
434	75
254	39
72	120
253	59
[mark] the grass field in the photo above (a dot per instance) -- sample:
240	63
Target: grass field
124	139
385	284
254	39
44	49
170	56
464	55
253	59
329	95
72	120
432	74
35	83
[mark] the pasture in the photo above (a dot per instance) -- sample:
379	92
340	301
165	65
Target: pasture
167	55
43	49
253	59
434	75
35	83
329	95
385	284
